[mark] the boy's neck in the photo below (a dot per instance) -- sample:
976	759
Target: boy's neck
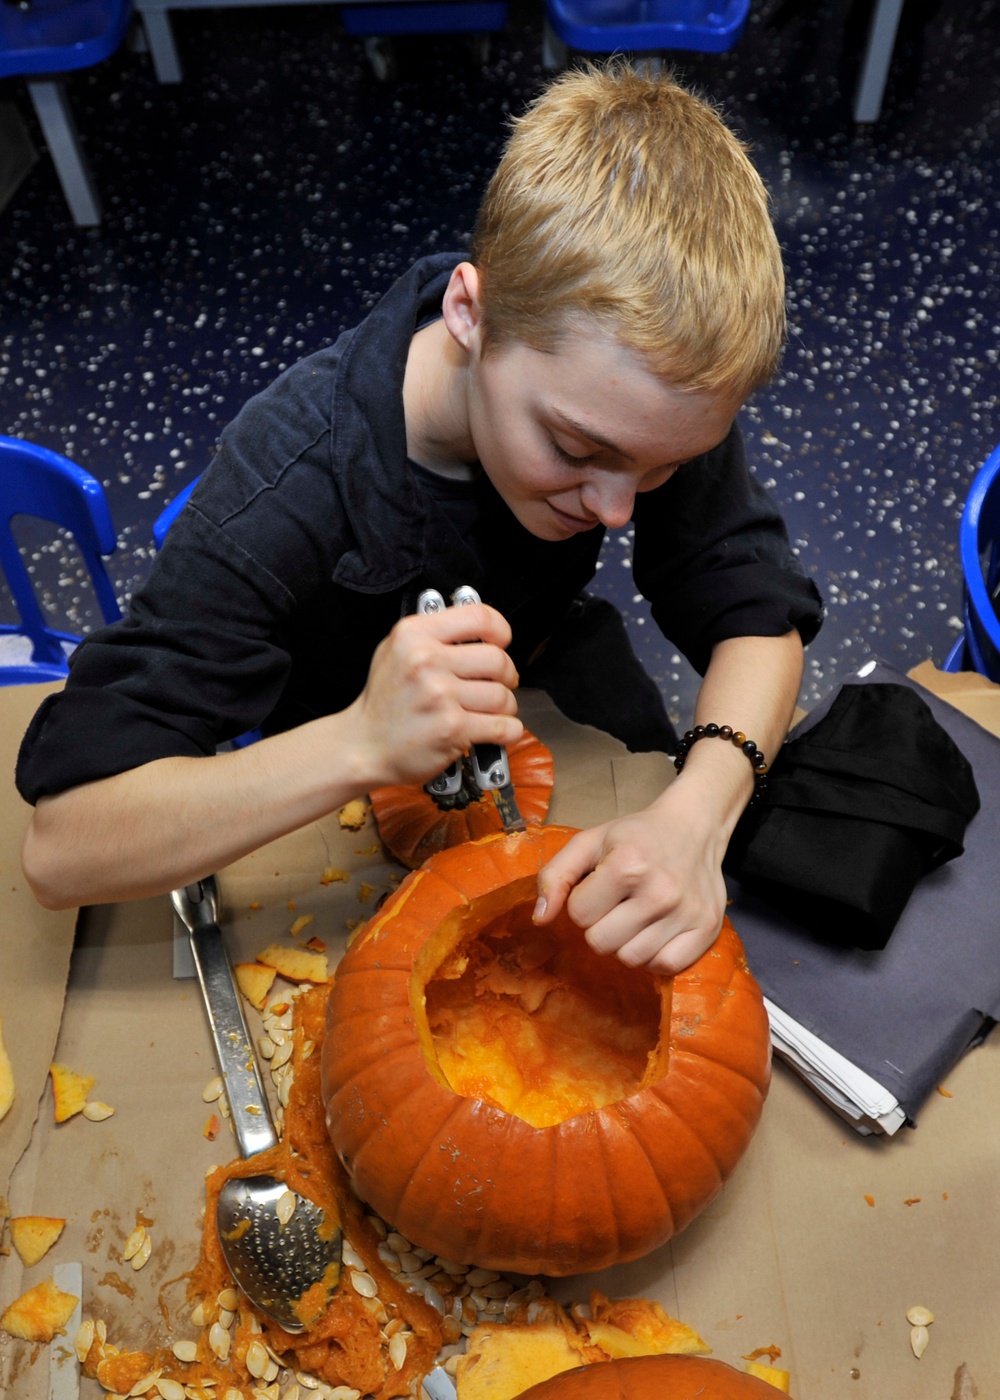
434	404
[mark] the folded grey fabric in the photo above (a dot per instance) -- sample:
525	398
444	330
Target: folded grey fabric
905	1013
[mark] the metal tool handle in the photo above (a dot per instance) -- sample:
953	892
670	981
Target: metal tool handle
197	907
448	783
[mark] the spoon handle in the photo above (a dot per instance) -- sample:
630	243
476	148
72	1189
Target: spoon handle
197	906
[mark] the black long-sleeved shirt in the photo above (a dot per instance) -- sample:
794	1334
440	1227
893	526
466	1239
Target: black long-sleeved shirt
311	533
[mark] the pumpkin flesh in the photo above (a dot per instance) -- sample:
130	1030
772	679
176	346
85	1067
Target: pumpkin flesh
531	1020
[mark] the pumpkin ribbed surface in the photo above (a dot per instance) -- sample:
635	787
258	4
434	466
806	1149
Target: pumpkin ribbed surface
504	1096
413	827
653	1378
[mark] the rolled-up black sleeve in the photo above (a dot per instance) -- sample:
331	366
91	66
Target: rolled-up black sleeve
713	557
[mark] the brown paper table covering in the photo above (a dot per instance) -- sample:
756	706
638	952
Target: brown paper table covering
791	1253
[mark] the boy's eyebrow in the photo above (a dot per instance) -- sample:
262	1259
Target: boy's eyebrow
586	432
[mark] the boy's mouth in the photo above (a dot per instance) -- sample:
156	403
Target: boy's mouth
571	522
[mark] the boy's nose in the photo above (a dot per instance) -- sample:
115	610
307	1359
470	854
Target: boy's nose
611	500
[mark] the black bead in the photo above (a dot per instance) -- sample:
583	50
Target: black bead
699	731
758	760
682	749
749	748
725	732
689	737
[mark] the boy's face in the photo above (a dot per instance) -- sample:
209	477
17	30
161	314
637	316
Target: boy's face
569	437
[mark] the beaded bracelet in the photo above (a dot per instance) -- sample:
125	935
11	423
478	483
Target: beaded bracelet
722	731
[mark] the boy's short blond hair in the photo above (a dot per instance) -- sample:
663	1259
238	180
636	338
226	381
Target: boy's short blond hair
625	199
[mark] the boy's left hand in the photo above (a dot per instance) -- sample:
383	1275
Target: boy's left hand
648	886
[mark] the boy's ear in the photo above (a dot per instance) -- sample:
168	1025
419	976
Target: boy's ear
461	308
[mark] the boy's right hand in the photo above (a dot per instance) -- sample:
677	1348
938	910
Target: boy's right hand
429	698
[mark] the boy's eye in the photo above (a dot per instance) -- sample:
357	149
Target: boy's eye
571	457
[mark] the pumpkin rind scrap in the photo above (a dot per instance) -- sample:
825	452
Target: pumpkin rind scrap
653	1378
413	827
472	1182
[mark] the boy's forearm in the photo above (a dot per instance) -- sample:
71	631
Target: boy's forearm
173	820
752	684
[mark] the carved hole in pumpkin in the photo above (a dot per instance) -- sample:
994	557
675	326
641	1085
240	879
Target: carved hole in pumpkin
533	1021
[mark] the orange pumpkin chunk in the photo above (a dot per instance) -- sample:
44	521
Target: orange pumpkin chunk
70	1090
34	1235
40	1313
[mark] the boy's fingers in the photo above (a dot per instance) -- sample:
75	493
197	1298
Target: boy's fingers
472	623
564	872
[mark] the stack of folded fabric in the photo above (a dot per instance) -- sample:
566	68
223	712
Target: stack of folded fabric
863	886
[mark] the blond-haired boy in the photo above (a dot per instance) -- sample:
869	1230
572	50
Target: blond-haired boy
485	424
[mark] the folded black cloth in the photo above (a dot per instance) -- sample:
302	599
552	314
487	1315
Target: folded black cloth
856	809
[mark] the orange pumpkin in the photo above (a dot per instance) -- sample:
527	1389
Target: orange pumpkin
505	1096
653	1378
412	826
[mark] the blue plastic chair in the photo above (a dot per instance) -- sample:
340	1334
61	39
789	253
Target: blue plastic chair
641	26
58	36
40	483
978	649
169	513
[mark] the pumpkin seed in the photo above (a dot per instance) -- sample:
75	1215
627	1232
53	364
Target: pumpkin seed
141	1258
291	1393
919	1317
478	1277
919	1337
432	1296
451	1365
101	1328
229	1298
253	1326
410	1263
450	1329
378	1225
363	1283
266	1046
219	1340
501	1289
397	1351
257	1359
185	1350
271	1375
389	1258
342	1392
84	1339
285	1091
233	1394
377	1309
213	1089
226	1317
170	1389
352	1258
284	1206
96	1111
306	1381
282	1054
134	1243
398	1242
198	1315
145	1383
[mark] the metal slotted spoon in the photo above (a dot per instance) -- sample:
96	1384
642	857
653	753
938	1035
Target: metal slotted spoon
273	1263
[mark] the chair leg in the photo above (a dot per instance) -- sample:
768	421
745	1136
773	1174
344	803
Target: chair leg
554	52
162	49
878	55
53	112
